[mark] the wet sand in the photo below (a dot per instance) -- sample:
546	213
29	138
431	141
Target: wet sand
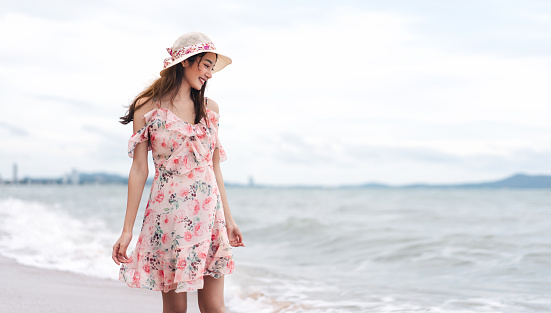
26	289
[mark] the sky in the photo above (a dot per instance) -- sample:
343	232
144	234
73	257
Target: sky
319	92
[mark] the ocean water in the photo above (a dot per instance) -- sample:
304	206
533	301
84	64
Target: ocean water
323	250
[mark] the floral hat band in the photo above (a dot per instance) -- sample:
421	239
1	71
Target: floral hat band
190	44
187	50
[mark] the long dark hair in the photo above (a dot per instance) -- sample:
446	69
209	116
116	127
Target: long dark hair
170	82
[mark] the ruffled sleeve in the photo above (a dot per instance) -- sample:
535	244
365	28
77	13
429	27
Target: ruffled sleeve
142	135
215	120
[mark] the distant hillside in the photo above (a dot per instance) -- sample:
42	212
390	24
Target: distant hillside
101	178
515	181
368	185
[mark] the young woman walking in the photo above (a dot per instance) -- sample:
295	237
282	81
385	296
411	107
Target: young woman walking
188	231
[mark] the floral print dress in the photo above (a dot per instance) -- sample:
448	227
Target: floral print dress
183	236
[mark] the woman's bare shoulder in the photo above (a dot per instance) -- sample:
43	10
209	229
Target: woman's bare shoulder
212	105
144	105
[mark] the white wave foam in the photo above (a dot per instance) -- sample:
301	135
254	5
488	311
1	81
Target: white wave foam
48	237
257	289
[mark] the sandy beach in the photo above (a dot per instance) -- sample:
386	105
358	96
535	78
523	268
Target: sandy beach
29	289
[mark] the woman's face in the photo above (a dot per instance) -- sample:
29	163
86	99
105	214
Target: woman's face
198	73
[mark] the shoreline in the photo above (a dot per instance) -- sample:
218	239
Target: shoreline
27	289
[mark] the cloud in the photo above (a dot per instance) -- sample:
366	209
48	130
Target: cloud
79	103
318	91
513	29
14	130
55	9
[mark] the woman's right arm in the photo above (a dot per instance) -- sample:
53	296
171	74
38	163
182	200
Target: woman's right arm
136	182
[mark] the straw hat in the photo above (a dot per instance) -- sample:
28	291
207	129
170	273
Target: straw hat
190	44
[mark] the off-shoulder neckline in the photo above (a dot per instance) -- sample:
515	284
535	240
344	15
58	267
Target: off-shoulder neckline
181	120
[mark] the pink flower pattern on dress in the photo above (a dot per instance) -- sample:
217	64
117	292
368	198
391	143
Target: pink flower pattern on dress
183	235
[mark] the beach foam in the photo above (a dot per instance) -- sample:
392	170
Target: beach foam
46	236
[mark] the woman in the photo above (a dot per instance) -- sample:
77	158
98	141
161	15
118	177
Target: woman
188	231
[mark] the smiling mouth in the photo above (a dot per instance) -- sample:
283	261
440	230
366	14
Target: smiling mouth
202	80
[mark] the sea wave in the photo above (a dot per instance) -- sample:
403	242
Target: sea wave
47	236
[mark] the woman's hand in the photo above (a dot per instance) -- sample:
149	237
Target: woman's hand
234	235
119	249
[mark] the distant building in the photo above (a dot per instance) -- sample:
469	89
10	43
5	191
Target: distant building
15	180
251	181
75	177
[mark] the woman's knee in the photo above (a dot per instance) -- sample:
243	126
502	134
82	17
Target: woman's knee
212	307
174	302
211	297
174	310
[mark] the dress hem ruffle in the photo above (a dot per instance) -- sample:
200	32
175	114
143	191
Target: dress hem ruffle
191	285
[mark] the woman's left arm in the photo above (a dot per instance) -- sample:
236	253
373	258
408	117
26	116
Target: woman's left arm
234	234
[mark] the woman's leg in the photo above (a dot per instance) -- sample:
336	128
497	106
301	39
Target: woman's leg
211	297
174	302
